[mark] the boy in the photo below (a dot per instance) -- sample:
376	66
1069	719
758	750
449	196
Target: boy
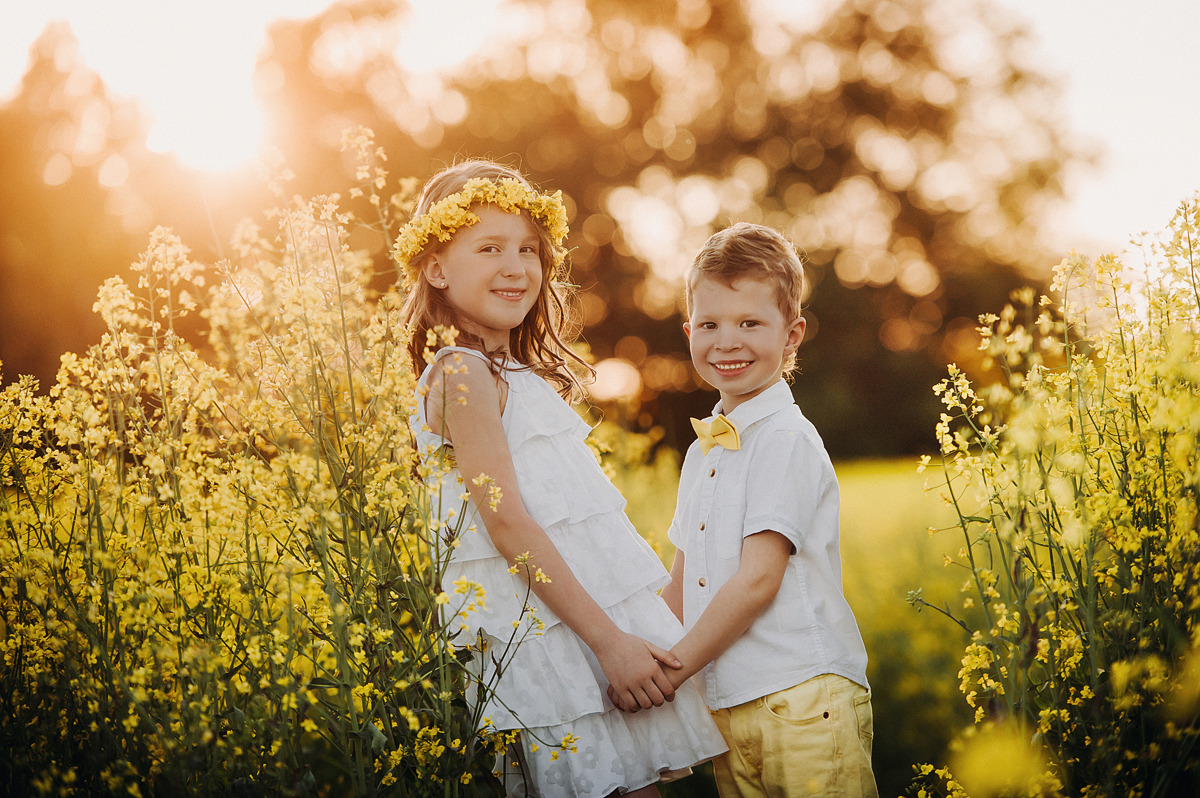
757	575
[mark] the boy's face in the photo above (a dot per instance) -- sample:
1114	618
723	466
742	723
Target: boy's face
739	337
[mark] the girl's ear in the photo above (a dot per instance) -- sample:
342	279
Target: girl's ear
433	271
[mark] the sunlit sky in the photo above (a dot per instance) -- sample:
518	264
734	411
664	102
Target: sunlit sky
190	63
1130	73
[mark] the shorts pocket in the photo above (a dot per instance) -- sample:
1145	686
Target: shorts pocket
865	717
804	704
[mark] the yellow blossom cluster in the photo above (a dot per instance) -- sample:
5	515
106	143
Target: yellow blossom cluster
222	574
1075	473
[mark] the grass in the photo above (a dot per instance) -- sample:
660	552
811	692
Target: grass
913	658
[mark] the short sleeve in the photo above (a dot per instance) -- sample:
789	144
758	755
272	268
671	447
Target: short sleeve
676	536
787	482
675	532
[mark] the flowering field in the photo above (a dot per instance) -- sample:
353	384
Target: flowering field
1076	480
219	573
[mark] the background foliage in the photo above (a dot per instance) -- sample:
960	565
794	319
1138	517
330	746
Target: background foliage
911	167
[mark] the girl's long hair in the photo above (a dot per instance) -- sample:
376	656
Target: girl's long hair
540	342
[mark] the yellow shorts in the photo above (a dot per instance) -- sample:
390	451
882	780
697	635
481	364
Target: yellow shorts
811	739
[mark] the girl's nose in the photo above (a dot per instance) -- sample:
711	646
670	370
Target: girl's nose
510	264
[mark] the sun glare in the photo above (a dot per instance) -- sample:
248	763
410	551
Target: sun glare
191	65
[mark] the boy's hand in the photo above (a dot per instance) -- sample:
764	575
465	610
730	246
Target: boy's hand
636	680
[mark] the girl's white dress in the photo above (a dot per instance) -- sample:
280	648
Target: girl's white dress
552	685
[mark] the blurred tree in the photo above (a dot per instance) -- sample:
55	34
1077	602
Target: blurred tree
902	144
80	194
62	141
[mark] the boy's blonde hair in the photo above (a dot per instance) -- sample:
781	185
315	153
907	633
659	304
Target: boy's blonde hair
541	340
757	252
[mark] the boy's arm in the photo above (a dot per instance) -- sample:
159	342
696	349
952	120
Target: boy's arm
737	604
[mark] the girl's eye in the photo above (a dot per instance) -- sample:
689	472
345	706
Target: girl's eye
530	248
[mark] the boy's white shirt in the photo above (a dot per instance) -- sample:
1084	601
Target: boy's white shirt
781	479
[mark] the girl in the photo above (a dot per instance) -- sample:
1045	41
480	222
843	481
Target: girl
481	254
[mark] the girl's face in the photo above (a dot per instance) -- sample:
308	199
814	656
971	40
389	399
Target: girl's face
491	273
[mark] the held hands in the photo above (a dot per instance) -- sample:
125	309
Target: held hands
634	668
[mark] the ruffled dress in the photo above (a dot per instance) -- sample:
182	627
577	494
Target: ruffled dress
553	686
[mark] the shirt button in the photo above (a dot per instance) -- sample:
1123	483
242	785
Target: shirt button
702	582
712	472
701	526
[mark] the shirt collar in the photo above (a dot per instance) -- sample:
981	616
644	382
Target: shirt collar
770	401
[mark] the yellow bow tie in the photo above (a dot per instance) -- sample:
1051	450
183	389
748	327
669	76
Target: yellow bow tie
721	432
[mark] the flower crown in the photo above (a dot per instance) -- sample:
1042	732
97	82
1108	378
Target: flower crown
450	213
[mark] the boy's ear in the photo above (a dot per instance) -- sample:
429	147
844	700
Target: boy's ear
687	329
796	334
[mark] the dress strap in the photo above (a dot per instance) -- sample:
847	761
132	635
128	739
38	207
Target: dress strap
447	349
430	371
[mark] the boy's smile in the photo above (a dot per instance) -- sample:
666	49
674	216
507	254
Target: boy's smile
739	337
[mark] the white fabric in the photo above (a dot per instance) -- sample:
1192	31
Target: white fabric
553	685
781	479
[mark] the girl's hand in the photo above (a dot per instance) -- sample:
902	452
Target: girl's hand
636	679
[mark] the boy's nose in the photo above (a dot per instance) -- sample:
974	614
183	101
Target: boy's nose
728	339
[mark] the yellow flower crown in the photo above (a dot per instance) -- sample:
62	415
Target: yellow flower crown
449	214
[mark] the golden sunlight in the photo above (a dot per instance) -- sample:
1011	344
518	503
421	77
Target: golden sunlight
616	380
191	66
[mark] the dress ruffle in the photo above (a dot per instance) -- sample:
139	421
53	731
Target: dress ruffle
615	751
546	464
506	596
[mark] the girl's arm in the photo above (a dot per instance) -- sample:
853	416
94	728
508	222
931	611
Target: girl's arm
630	663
